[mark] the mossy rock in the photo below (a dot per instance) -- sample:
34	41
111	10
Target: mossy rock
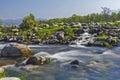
106	44
114	42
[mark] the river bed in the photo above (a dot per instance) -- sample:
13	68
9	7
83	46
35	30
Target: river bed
108	69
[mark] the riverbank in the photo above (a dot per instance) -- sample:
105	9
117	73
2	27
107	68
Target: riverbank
101	36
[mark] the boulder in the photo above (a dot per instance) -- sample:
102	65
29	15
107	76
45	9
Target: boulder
32	60
60	35
10	78
76	64
35	41
16	50
53	41
37	60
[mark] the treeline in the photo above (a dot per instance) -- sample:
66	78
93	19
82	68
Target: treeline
30	22
94	17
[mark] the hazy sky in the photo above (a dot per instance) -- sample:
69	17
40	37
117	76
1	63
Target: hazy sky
13	9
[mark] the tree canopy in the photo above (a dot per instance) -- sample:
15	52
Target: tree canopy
28	22
94	17
105	16
0	22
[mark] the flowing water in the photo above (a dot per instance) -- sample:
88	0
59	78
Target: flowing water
107	68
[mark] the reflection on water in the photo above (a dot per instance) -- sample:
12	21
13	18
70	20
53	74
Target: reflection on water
108	67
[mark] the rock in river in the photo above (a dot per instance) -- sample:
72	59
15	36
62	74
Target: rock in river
76	63
38	60
16	50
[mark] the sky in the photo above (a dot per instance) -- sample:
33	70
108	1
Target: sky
47	9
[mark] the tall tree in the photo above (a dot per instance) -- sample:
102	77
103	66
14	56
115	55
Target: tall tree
28	22
0	22
118	15
114	17
106	11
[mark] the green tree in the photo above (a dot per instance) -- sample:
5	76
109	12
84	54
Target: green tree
0	22
29	22
106	11
114	17
118	15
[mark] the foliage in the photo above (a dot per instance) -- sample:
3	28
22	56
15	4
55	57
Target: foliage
105	16
28	22
49	31
70	32
103	36
0	22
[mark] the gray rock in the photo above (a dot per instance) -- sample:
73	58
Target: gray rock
32	60
35	41
38	60
16	50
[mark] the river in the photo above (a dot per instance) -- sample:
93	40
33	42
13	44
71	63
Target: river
108	67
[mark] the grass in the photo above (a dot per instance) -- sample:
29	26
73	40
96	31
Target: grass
48	31
103	36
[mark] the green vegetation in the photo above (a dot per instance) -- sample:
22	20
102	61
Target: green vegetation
107	43
95	17
49	31
2	74
28	22
103	36
0	22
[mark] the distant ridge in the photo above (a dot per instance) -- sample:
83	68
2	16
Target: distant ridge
16	21
11	21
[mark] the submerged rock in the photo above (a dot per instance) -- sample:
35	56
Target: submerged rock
16	50
76	64
96	66
92	66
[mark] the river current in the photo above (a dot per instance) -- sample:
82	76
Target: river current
107	65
